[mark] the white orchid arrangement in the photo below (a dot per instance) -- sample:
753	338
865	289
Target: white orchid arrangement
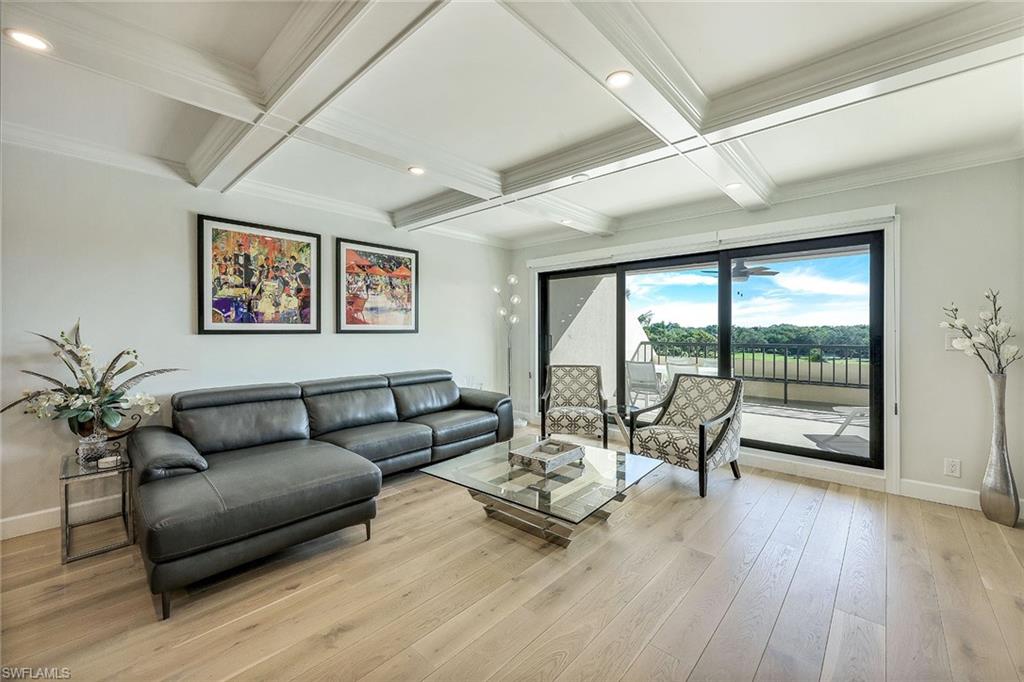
989	339
92	396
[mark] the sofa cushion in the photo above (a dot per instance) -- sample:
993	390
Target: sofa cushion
380	441
219	419
451	426
335	404
250	491
421	392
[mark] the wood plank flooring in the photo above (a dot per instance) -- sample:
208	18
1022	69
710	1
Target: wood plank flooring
772	577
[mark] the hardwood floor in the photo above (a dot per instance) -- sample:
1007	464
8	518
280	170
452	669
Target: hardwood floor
771	577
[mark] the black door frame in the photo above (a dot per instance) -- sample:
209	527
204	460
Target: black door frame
873	239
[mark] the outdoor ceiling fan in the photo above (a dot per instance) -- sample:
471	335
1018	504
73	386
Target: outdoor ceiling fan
741	273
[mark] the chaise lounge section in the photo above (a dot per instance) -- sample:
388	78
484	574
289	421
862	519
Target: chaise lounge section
247	471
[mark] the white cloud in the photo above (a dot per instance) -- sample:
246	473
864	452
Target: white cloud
806	281
763	312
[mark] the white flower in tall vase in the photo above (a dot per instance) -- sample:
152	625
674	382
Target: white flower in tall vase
507	312
989	341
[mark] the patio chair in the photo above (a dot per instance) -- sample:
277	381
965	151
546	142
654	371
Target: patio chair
642	380
573	402
697	426
680	365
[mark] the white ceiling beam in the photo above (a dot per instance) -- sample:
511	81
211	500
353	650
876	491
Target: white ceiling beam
333	46
368	140
91	39
628	34
965	39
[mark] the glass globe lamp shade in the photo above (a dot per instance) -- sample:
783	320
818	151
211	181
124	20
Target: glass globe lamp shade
513	319
515	300
496	289
503	311
512	280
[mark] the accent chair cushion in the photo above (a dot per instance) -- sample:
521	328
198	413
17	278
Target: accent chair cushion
574	420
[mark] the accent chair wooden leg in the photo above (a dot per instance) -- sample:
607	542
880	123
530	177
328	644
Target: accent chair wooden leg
735	468
165	605
702	478
367	530
604	434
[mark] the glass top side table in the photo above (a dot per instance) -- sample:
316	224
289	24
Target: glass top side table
623	417
71	471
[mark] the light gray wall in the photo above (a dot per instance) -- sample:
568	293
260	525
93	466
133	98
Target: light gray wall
962	232
117	249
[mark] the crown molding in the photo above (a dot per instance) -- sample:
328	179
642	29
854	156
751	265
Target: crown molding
626	147
749	168
556	209
625	27
223	136
89	38
308	32
904	170
296	197
64	145
370	141
452	233
963	39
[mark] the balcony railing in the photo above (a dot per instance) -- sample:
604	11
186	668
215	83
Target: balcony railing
845	365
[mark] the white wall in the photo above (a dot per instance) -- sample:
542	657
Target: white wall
117	249
962	232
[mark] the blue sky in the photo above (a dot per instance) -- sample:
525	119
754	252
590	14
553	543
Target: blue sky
812	291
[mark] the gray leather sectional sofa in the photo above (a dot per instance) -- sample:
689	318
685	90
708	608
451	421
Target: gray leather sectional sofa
247	471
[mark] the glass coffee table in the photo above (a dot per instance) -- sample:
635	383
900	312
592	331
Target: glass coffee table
551	506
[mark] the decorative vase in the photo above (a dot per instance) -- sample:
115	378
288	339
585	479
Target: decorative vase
999	500
93	441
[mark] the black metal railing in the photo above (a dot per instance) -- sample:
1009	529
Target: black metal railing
845	365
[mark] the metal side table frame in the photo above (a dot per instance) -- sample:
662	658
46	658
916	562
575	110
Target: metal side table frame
70	472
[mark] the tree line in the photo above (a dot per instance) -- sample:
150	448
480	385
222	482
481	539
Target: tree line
664	335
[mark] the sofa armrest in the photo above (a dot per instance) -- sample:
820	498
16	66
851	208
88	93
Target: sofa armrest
499	403
157	452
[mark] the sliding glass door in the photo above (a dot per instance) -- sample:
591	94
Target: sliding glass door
799	322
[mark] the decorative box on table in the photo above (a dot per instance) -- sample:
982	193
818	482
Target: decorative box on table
544	456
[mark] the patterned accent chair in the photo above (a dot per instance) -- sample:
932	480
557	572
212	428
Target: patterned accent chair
698	426
573	402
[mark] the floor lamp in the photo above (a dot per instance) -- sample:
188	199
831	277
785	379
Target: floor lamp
506	310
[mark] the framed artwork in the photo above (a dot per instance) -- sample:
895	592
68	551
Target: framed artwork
376	288
257	279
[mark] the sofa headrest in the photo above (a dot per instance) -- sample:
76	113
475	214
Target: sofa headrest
421	376
234	395
342	384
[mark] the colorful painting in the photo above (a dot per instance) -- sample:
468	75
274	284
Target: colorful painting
376	288
257	279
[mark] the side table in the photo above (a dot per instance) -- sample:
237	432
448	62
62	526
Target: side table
623	416
71	471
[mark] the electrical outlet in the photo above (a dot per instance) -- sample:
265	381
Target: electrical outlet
951	467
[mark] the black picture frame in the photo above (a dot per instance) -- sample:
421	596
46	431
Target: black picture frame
204	226
340	294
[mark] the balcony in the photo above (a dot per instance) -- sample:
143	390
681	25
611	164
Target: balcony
804	395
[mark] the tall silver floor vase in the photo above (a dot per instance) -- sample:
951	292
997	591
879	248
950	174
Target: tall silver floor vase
999	500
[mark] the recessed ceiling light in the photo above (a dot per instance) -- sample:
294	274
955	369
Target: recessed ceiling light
566	222
580	177
618	79
416	170
32	42
734	186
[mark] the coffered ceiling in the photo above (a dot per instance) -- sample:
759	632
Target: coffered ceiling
505	105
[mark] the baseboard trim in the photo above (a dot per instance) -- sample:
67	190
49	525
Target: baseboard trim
833	472
943	494
45	519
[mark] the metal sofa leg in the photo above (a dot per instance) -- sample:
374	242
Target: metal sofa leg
735	468
367	530
165	605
